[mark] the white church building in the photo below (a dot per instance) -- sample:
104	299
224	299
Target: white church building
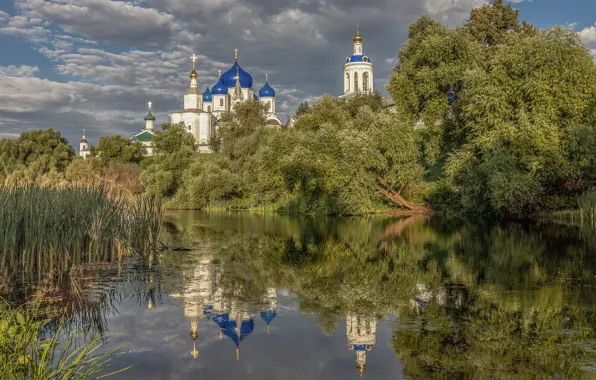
201	110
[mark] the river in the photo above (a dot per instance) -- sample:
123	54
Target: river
278	297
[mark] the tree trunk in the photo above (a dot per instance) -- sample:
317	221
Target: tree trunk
395	196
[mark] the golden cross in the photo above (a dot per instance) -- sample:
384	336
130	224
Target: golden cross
194	59
150	104
266	77
235	54
219	73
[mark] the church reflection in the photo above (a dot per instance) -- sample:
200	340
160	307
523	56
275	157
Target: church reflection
205	296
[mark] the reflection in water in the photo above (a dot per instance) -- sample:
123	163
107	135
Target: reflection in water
420	299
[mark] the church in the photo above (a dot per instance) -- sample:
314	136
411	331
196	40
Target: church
201	110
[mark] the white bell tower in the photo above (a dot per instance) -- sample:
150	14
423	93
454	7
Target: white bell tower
358	70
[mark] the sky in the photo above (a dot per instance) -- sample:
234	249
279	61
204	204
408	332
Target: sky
94	64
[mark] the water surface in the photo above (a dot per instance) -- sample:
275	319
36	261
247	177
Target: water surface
275	297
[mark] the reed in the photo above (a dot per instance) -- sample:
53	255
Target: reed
47	230
29	351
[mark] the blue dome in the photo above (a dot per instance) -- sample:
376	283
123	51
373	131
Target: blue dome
207	95
229	77
255	97
268	316
237	334
359	58
220	88
267	91
221	320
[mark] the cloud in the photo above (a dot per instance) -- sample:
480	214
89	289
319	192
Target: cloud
588	36
18	71
106	59
112	22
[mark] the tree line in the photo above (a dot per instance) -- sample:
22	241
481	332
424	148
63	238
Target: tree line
494	117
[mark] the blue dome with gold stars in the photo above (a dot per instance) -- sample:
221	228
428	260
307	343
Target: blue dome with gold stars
229	77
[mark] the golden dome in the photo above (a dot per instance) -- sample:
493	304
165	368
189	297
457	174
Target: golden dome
193	74
357	38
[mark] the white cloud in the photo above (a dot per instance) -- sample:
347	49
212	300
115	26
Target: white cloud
301	44
588	36
4	16
114	22
18	71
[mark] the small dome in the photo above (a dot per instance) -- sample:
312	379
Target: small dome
255	97
83	141
193	74
267	91
150	116
229	77
220	88
207	95
268	316
357	38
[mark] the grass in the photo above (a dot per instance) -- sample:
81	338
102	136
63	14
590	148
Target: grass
44	230
27	351
584	215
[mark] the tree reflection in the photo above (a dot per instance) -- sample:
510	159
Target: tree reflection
473	301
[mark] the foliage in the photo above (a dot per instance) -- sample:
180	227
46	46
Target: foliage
26	352
35	154
502	107
164	177
207	179
303	108
117	150
173	138
237	126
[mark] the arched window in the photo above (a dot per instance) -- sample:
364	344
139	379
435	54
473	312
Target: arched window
189	127
365	82
221	102
347	82
208	108
269	106
355	81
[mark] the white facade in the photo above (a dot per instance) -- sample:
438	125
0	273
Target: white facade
358	71
84	147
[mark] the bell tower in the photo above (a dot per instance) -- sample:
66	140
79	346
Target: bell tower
358	70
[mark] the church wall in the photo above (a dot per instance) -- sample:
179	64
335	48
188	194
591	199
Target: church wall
191	101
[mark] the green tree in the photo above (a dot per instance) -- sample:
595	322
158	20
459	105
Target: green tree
174	137
236	126
35	153
493	24
117	150
302	109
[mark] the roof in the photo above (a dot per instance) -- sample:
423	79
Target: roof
144	136
267	91
150	116
207	95
190	110
192	90
229	77
220	88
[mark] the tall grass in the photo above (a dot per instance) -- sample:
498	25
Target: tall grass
44	230
27	351
585	213
586	204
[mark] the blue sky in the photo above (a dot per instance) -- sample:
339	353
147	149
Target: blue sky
94	64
